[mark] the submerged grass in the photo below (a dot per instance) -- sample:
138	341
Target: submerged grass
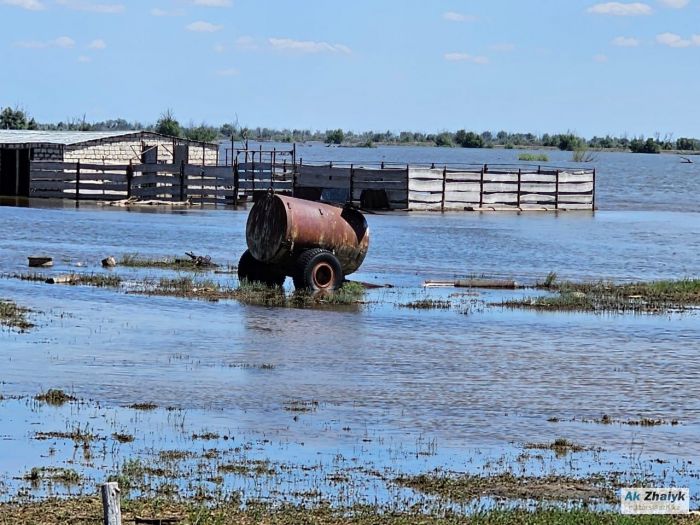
507	486
533	157
55	397
251	293
603	296
89	510
14	316
133	260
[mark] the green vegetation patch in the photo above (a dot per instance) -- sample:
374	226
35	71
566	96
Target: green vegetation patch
55	397
14	316
533	157
133	260
59	511
602	296
509	487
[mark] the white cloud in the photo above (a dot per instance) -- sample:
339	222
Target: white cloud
674	40
163	12
84	5
31	5
246	43
464	57
229	72
219	48
675	4
203	27
452	16
84	59
624	41
63	42
307	46
213	3
503	47
601	59
621	9
97	44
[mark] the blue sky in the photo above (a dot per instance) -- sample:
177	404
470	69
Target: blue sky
519	65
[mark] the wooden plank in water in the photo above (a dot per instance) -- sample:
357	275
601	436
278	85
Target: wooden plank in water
52	175
532	187
462	186
424	206
501	177
576	199
378	185
160	168
425	185
536	197
365	175
502	187
47	165
463	176
574	206
575	177
323	181
586	187
103	167
463	197
500	198
424	196
537	177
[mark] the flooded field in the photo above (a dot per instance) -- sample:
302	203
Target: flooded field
348	404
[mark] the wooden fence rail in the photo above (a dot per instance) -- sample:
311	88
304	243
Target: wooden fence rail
408	187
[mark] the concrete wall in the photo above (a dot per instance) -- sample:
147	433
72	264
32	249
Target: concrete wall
121	150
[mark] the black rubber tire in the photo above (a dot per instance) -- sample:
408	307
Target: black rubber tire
252	270
318	270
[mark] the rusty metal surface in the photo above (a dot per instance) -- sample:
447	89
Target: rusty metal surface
279	227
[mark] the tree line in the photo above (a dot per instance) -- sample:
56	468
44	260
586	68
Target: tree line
167	124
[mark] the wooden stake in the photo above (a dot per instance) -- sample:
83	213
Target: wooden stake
111	504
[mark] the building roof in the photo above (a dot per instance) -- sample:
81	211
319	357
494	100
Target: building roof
11	136
69	138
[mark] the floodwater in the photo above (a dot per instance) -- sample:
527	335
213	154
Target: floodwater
476	380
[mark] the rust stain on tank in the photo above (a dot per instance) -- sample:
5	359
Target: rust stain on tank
280	226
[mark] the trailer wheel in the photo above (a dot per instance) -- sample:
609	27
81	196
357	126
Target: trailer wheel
318	270
252	270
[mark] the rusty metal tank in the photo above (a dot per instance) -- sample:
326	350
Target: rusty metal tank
280	227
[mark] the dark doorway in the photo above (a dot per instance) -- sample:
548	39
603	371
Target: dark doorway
181	153
14	172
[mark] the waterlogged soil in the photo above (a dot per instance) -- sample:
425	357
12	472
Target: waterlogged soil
305	405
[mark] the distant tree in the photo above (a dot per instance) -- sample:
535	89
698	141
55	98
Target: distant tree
335	136
16	119
639	145
469	139
570	142
228	130
686	144
202	133
168	125
444	139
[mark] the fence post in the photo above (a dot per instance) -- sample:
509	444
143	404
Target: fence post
129	178
481	187
201	195
594	176
252	170
556	193
77	184
444	188
352	183
519	185
182	180
111	504
236	181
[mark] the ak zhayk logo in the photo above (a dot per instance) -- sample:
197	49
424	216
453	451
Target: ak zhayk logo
654	501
